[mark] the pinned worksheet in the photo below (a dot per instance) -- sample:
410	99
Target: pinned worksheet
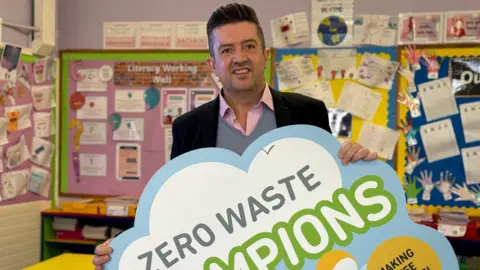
14	183
359	100
295	72
378	139
437	99
336	64
320	90
376	29
290	29
439	140
42	152
470	115
376	71
17	154
471	162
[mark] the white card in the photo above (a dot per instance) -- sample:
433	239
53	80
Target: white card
18	117
289	29
295	72
14	183
93	164
337	64
378	139
17	154
437	99
42	152
43	124
130	129
320	90
471	164
470	115
439	140
94	133
43	97
94	108
359	100
39	181
375	30
129	101
90	81
376	72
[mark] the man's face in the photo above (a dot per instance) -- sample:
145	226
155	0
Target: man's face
238	58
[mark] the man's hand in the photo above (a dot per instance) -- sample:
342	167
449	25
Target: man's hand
353	152
102	254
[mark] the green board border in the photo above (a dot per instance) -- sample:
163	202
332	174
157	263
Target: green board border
53	167
115	55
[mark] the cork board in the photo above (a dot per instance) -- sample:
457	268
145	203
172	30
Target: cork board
110	115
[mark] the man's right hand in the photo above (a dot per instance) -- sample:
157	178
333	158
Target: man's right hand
102	254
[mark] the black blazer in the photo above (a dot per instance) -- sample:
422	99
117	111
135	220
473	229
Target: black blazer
198	128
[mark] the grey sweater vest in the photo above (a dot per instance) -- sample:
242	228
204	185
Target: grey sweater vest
232	139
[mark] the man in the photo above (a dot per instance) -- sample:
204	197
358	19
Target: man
246	107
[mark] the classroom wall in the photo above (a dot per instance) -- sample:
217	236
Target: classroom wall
19	12
81	21
20	234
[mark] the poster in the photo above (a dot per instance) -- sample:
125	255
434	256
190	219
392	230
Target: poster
199	97
465	74
174	104
332	23
309	212
462	26
420	28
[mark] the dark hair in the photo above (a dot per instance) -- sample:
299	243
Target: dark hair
232	13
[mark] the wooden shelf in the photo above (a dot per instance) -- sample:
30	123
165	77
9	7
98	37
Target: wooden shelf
60	213
74	241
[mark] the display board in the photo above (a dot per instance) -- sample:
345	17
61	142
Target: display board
439	151
117	110
338	66
27	127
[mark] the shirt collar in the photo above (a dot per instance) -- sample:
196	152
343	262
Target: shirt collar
266	100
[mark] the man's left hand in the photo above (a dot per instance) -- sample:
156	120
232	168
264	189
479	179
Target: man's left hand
353	152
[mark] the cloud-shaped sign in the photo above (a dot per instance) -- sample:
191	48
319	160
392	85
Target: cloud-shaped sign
286	203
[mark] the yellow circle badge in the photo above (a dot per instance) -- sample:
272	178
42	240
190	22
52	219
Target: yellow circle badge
405	253
337	259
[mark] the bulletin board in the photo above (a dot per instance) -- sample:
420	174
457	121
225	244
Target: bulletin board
385	114
27	127
117	109
453	173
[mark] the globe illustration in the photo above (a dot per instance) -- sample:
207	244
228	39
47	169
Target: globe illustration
332	30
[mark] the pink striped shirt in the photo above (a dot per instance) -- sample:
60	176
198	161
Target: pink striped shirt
253	115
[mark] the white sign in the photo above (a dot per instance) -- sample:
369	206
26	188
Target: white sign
287	203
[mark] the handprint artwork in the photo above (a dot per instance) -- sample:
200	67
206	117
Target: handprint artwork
406	98
411	189
409	75
413	160
445	184
429	60
465	194
427	184
409	132
413	57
